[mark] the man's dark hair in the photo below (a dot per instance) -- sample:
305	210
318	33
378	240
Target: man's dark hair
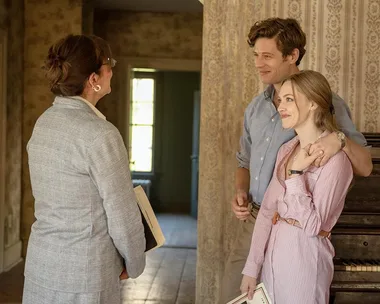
287	32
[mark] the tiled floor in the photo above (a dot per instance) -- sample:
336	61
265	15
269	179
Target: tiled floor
180	231
169	276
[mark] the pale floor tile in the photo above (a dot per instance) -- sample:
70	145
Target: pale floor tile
169	276
170	281
180	230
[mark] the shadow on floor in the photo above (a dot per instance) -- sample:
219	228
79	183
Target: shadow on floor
11	285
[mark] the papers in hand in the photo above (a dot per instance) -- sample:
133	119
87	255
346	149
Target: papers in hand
260	296
153	233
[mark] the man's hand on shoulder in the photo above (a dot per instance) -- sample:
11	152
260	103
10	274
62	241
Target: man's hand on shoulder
329	145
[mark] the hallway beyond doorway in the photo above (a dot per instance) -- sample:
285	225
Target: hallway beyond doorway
179	230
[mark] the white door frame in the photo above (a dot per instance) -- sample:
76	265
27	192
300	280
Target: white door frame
3	124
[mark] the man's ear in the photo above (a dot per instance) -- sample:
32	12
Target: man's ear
294	55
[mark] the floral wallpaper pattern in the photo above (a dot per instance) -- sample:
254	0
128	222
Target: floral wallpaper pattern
159	35
141	34
45	22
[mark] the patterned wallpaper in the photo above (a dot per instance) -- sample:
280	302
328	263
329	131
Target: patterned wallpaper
153	35
45	22
158	35
343	43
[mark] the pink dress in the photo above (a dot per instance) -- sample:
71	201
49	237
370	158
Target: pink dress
296	264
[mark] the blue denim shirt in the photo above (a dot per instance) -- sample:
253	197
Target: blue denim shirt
263	136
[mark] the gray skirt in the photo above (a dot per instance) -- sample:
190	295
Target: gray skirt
36	294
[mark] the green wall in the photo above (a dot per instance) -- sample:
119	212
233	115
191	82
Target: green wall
171	184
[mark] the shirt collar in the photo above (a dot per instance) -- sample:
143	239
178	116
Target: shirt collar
96	111
269	92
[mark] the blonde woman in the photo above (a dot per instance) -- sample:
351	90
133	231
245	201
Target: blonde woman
293	251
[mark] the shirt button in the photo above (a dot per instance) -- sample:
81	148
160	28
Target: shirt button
268	138
272	119
256	178
261	158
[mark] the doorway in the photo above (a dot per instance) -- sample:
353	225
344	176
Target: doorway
162	148
167	151
165	161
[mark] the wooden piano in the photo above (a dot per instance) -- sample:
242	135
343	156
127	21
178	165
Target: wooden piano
356	238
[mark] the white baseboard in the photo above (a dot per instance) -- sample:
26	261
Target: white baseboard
12	256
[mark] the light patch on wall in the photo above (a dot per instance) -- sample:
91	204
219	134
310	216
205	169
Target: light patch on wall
143	70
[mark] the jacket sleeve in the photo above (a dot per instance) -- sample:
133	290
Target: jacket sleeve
109	169
311	210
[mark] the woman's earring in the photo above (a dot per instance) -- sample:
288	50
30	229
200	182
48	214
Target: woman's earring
97	88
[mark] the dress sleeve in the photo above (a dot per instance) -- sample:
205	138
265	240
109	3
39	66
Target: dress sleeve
311	210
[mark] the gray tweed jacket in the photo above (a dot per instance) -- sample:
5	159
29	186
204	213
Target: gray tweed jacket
87	219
